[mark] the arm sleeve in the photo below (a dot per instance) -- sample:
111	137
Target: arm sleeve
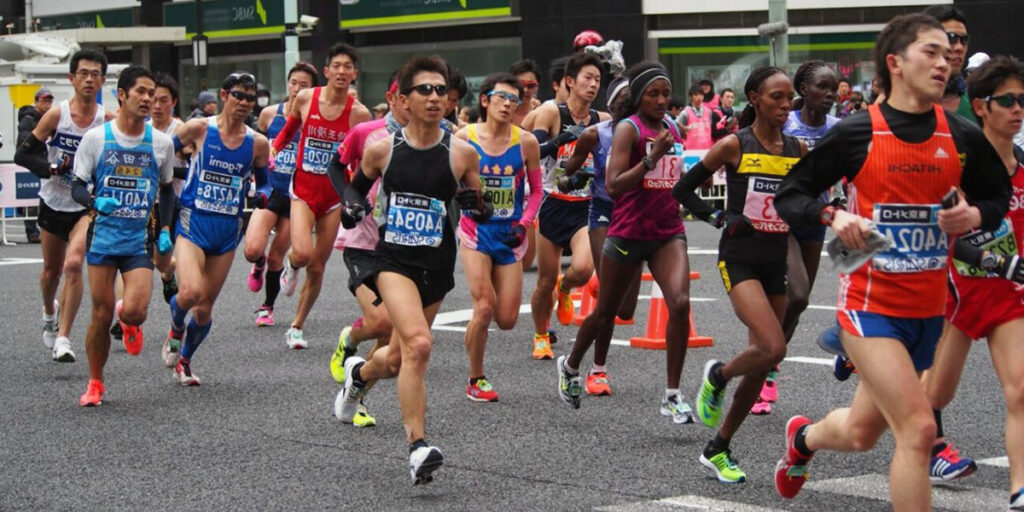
338	174
80	193
536	196
984	180
357	190
547	147
287	133
684	191
797	199
31	154
167	202
25	126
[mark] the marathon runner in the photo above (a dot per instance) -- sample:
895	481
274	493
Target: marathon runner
163	119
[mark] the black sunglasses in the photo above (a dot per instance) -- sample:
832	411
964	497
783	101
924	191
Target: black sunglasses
954	37
243	96
426	89
1007	100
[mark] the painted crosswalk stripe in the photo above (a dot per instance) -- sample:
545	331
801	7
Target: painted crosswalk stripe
944	496
999	462
685	503
19	261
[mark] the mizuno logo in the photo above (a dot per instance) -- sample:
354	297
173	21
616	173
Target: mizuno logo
602	219
754	162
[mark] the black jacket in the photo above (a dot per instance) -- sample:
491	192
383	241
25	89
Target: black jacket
28	118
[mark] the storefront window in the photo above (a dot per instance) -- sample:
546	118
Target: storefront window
268	69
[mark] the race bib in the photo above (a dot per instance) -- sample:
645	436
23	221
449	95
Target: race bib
414	220
316	155
219	193
564	153
920	245
503	195
132	190
666	171
760	205
284	161
1001	241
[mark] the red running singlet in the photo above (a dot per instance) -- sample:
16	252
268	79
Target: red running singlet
318	144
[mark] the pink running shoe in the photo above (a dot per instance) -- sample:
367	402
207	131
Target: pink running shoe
770	391
256	276
761	407
264	316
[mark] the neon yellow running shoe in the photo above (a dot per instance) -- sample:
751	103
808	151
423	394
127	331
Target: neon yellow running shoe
725	467
340	354
363	418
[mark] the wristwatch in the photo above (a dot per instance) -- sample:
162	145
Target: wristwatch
828	214
648	163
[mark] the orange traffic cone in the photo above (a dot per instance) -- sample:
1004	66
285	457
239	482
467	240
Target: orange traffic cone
588	300
657	319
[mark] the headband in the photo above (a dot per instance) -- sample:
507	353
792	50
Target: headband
639	84
616	90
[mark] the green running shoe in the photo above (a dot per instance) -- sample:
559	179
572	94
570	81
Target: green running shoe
340	354
363	418
709	398
725	467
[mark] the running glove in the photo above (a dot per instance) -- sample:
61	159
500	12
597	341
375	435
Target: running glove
516	236
576	181
106	205
735	224
163	243
476	204
352	213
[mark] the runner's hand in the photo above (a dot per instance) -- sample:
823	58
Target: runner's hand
738	225
516	236
852	229
576	181
960	218
163	243
352	214
106	205
62	166
663	143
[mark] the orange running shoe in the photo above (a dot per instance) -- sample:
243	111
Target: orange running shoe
132	334
93	394
542	347
565	309
597	384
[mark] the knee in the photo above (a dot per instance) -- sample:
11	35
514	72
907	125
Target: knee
917	432
507	320
1014	393
252	251
678	304
103	312
188	295
300	257
50	274
314	270
775	354
73	265
274	260
545	284
202	313
798	300
133	315
416	353
483	311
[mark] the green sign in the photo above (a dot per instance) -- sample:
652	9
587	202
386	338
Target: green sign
753	44
228	18
365	13
95	19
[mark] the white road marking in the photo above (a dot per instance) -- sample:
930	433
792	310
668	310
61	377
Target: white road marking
1001	462
810	360
688	502
19	261
945	496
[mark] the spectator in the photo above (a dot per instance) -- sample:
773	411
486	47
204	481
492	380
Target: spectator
457	89
675	106
842	106
380	111
207	106
28	117
585	39
955	24
725	120
711	99
695	121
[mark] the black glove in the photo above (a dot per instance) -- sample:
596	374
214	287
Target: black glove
717	219
564	137
578	180
352	213
476	204
737	225
1012	268
516	236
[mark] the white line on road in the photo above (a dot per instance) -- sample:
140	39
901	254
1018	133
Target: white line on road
19	261
810	360
688	502
946	496
1001	462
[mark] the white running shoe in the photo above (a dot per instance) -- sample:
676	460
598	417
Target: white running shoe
170	352
183	373
294	339
289	277
423	462
346	404
62	350
50	326
676	407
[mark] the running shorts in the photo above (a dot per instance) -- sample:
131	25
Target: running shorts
627	250
280	204
918	335
316	191
123	263
560	220
489	238
977	305
214	234
432	284
56	222
600	212
361	266
771	275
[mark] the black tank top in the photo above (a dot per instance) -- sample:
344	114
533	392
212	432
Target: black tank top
565	117
417	185
750	190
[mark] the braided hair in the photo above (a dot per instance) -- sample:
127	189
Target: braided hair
803	75
752	85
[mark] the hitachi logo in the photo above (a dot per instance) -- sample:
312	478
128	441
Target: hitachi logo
226	166
915	168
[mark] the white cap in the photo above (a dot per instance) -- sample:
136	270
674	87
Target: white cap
977	60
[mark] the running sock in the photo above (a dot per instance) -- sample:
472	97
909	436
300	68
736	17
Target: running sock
260	263
938	448
800	441
561	288
716	445
598	368
273	286
569	369
939	434
177	314
473	380
419	443
357	376
670	392
49	318
715	376
194	336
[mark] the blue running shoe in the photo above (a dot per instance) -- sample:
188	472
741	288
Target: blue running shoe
947	465
829	342
842	368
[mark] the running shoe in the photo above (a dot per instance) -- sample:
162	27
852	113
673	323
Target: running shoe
1017	500
542	347
842	368
116	332
676	407
726	468
256	275
829	341
791	470
363	418
569	389
346	404
93	394
482	391
565	309
50	326
597	384
170	352
947	465
423	462
289	278
340	354
170	288
553	335
183	373
132	334
264	316
62	350
761	407
770	390
709	398
293	337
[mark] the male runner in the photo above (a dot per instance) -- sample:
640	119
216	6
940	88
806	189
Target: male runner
420	169
325	115
227	153
125	161
563	216
528	74
900	159
491	251
61	219
302	76
954	23
163	119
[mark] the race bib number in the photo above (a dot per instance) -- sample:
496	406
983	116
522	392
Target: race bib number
920	245
284	161
414	220
760	205
1001	241
316	155
666	171
219	193
564	153
132	191
503	195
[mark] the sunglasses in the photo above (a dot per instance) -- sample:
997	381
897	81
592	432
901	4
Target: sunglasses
1007	100
426	89
242	77
506	96
954	37
529	84
243	96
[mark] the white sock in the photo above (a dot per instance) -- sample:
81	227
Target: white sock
49	318
569	369
598	368
672	392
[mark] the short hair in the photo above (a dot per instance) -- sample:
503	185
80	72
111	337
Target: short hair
897	35
727	89
457	82
129	76
695	90
946	13
525	66
242	78
90	55
408	71
985	79
675	101
494	79
806	71
167	82
844	79
473	114
304	67
577	62
343	49
557	70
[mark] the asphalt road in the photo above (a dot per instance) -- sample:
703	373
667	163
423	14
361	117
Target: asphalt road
259	434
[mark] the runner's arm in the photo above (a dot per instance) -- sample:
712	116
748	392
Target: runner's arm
294	122
584	146
984	180
724	151
797	199
337	172
31	154
531	154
